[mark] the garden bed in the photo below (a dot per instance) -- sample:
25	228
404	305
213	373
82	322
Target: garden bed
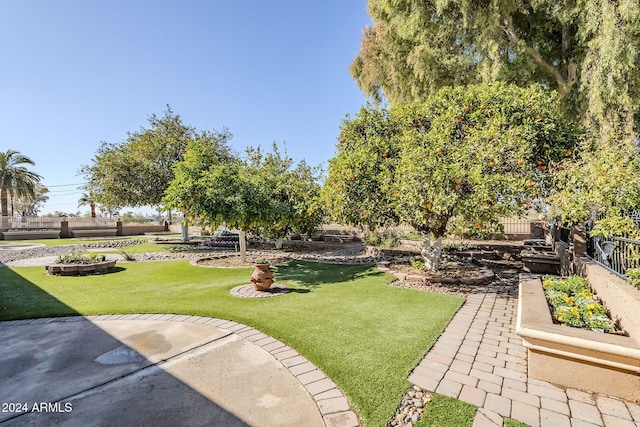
573	357
452	271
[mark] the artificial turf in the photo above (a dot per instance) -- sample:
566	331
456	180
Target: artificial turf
366	336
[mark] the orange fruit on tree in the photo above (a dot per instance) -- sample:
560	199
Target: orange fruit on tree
568	152
439	151
491	164
478	225
458	186
521	162
467	108
539	162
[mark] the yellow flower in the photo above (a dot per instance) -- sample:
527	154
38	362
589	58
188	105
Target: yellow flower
585	293
567	299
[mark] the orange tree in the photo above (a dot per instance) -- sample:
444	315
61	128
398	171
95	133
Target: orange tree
456	162
264	193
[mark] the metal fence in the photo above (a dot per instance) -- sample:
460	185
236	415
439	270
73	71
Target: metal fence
92	222
11	222
512	226
25	222
617	254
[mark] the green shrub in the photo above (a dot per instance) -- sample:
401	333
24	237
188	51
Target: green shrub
385	239
80	258
418	264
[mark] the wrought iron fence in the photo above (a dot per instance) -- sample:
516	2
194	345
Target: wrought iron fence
92	222
618	254
24	222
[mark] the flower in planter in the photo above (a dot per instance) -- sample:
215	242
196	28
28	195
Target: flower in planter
575	305
557	298
260	260
569	316
600	323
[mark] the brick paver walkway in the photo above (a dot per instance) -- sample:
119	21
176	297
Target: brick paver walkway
480	359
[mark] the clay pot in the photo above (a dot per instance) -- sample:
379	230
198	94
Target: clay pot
262	277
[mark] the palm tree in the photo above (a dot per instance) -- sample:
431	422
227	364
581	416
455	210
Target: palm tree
15	180
87	199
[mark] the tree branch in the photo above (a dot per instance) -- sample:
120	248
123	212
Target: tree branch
564	84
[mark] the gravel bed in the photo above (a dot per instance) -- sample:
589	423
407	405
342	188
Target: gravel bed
44	251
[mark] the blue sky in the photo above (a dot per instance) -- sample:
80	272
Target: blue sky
78	72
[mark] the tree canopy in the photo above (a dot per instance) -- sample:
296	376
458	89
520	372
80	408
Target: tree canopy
602	181
16	180
138	170
267	194
588	51
463	158
30	205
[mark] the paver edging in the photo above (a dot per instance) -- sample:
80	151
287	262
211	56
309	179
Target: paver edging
331	402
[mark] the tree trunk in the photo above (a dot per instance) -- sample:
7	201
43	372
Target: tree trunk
4	201
431	253
93	210
243	246
185	231
279	242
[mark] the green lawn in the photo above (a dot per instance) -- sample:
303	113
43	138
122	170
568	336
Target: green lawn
365	335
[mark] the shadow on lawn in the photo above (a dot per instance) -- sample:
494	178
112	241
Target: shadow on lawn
313	274
58	362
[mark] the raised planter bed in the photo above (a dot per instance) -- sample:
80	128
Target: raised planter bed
98	232
572	357
30	234
81	269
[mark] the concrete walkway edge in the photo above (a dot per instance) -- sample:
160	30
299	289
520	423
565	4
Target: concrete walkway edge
330	400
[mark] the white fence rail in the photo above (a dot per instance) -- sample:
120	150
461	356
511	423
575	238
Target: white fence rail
512	226
30	222
13	222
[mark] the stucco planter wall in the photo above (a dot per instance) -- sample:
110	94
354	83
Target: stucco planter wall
98	232
622	299
30	234
81	269
572	357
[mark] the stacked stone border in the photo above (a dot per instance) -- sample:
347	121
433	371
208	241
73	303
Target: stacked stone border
330	400
486	276
248	291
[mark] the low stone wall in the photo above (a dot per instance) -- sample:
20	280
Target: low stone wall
30	234
81	269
